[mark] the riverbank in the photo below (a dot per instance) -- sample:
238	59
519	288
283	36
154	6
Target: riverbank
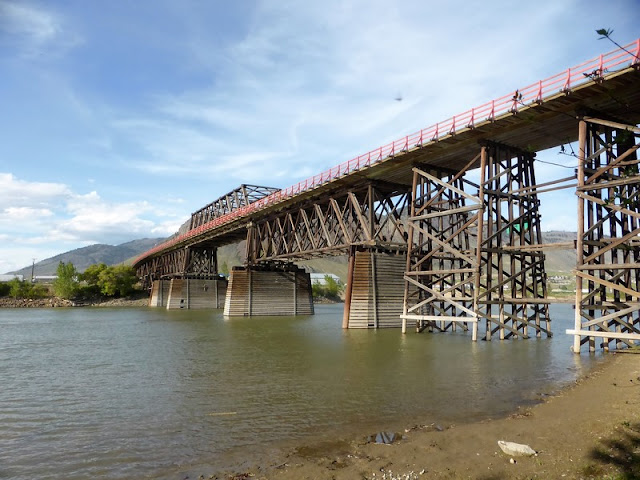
141	300
49	302
589	430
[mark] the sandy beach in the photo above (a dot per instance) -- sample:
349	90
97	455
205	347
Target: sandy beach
588	430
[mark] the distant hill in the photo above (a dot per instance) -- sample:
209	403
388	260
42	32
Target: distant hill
86	256
233	255
561	260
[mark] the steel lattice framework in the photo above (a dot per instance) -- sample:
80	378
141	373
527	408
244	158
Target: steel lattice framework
241	197
367	216
190	262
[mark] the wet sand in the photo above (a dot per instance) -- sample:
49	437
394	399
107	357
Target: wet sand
588	430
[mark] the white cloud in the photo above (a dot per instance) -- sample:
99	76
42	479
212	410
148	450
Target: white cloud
166	228
95	220
20	193
308	87
35	31
24	213
38	217
21	19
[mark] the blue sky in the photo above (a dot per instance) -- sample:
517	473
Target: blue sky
118	119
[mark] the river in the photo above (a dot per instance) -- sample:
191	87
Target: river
149	393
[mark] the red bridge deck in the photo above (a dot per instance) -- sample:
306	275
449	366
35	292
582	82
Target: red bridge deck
534	118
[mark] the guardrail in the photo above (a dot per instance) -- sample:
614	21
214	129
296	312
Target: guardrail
563	82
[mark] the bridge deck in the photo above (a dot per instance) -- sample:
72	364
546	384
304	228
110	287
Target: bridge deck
540	116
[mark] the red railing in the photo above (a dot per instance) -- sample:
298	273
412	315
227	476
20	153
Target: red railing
591	70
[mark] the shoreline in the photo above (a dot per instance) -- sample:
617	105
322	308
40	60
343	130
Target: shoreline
589	429
134	301
55	302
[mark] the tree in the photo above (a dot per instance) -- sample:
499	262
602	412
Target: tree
331	288
18	288
92	274
66	285
224	269
117	281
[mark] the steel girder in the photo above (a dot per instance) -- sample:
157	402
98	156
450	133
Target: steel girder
368	216
240	197
191	262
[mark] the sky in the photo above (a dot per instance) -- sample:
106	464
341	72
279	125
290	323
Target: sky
119	119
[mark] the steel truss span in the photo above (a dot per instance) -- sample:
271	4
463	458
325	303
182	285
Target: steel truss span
189	262
367	216
241	197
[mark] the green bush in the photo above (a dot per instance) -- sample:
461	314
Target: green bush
331	289
115	281
5	288
92	274
24	289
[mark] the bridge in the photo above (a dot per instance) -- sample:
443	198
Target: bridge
442	227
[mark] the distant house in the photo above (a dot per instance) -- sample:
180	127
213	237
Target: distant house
318	278
8	278
44	278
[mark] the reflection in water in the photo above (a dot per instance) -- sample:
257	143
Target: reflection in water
123	393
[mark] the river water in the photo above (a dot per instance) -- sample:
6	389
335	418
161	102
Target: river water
150	393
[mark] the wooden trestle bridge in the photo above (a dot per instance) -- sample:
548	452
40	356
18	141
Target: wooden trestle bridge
442	228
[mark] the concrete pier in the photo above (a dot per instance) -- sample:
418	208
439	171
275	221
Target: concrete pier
269	290
188	293
159	293
375	290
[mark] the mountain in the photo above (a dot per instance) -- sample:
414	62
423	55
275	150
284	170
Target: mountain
561	260
557	260
233	255
86	256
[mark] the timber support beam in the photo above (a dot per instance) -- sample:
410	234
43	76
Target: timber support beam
607	304
472	258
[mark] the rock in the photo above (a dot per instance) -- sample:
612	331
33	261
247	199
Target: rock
512	461
516	449
384	438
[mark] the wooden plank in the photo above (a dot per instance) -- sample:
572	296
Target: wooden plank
601	334
609	123
609	266
447	212
613	286
440	318
448	186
